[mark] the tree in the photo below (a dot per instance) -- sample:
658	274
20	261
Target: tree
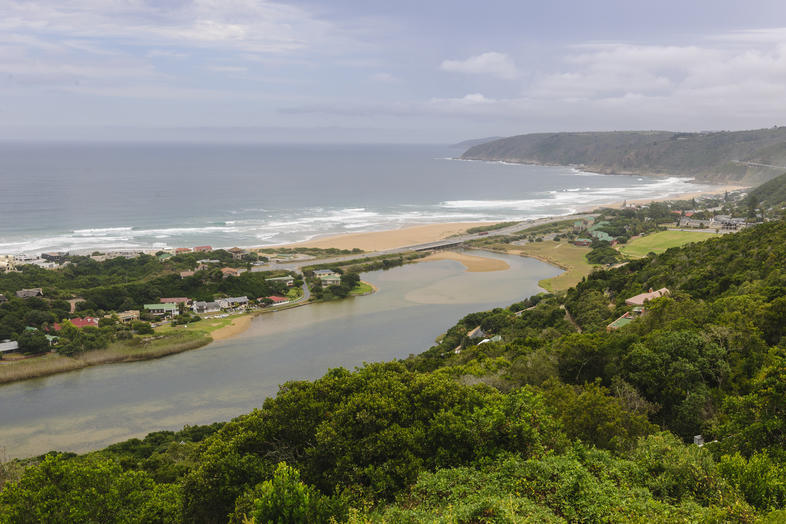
91	489
142	328
33	342
284	499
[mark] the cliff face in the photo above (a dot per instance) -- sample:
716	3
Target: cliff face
744	157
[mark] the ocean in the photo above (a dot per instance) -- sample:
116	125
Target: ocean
83	197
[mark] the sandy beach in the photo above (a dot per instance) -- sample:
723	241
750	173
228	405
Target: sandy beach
473	263
238	325
391	239
406	236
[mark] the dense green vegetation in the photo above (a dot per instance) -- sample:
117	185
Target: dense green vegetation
490	227
750	157
557	421
119	284
771	193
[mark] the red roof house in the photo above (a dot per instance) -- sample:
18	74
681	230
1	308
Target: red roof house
278	300
79	323
175	300
182	250
202	249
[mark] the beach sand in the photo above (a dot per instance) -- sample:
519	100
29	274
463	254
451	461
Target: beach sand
391	239
238	325
473	263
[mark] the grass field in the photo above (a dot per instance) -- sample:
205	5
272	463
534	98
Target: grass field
567	256
661	241
363	288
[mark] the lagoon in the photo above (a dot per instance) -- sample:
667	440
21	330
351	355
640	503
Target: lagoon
93	407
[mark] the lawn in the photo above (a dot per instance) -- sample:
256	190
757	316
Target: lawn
661	241
567	256
363	288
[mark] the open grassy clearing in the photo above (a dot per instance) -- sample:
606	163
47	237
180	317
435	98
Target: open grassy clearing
567	256
661	241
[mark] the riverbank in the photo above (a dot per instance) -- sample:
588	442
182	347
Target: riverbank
122	351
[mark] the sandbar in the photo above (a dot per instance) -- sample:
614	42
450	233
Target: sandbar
391	239
473	263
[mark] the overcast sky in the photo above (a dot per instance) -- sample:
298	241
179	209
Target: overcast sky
390	70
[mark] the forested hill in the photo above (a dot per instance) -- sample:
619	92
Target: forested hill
548	417
745	157
772	193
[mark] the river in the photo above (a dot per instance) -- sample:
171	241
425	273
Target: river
90	408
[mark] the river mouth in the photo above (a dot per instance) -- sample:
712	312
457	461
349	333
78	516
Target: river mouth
93	407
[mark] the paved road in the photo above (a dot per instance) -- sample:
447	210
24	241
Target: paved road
515	228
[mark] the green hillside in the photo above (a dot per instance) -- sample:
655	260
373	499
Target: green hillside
771	193
558	420
746	157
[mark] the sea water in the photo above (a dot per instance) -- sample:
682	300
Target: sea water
81	197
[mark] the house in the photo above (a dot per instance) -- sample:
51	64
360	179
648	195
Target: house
640	299
186	274
200	267
164	256
78	323
162	309
277	301
202	249
582	242
319	273
175	300
330	280
208	261
206	307
8	346
181	250
7	263
230	272
3	298
237	253
288	280
58	257
476	333
126	316
232	302
28	293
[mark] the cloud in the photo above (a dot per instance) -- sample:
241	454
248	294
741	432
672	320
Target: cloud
383	77
491	63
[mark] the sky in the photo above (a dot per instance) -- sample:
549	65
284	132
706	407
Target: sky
427	71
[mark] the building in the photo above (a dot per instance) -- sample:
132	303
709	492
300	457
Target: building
237	253
186	274
181	250
640	299
208	261
164	256
288	280
230	272
324	273
162	309
176	300
126	316
206	307
476	333
28	293
7	263
582	242
202	249
330	280
8	345
232	302
79	323
277	301
3	298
